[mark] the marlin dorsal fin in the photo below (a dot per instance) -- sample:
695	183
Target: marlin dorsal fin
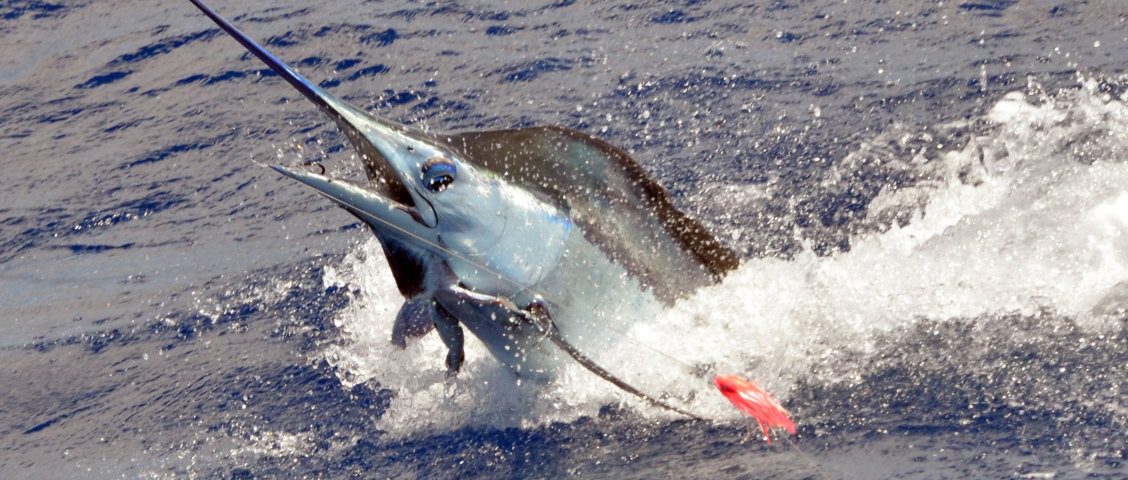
621	209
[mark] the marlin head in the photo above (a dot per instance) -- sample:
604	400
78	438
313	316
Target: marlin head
468	217
423	196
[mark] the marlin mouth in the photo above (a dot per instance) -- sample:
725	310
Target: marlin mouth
390	153
385	215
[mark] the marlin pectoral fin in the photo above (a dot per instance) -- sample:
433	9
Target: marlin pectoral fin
539	315
451	334
413	320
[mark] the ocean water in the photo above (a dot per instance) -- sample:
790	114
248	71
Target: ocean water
929	198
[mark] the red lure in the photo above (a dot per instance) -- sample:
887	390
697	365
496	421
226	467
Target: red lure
751	399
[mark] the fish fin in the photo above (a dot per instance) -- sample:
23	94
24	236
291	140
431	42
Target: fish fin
657	243
539	315
451	334
413	320
406	263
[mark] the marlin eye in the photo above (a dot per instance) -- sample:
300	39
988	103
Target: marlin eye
439	173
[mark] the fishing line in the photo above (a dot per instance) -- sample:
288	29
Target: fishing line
803	454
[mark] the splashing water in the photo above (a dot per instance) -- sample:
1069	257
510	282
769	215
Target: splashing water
1031	213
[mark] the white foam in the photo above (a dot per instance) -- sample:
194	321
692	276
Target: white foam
1043	222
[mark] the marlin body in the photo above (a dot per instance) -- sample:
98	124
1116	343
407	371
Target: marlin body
542	242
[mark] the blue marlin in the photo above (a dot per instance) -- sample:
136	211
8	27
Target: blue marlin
537	240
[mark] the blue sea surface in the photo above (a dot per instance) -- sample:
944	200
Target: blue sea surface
930	200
